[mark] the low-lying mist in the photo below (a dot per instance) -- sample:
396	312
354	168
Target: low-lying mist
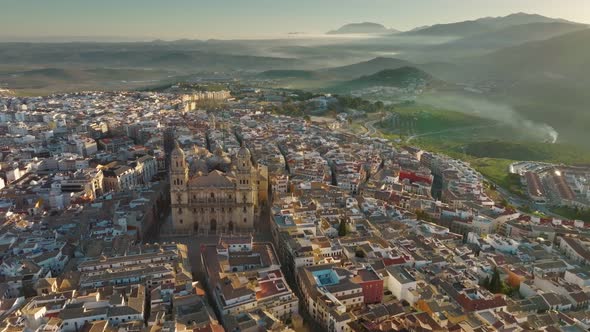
494	111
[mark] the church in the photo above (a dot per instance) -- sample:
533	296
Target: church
215	193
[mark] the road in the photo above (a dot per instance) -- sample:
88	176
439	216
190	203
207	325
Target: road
370	126
517	202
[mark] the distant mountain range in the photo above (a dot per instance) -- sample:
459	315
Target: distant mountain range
170	56
482	25
362	28
516	34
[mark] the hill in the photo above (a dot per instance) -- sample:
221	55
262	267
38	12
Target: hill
362	28
482	25
286	74
564	57
398	78
364	68
341	73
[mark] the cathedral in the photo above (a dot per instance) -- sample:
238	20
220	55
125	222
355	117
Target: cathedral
215	193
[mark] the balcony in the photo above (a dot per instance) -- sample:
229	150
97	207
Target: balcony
212	201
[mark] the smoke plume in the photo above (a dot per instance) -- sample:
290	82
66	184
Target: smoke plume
494	111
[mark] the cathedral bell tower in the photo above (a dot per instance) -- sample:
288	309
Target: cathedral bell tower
246	188
178	188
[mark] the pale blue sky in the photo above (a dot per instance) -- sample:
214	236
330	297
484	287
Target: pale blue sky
199	19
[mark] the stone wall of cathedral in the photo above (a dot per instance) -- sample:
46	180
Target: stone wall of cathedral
213	211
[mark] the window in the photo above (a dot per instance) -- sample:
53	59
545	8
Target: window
212	195
212	209
245	220
179	210
181	221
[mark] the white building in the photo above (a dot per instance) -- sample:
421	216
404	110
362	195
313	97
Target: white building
400	283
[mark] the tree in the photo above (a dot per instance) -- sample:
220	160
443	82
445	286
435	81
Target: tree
495	285
342	228
486	283
359	253
526	209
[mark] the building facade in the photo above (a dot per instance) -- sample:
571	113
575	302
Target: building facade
214	194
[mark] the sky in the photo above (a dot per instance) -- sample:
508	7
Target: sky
227	19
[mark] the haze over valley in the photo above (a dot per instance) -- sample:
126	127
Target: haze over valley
535	65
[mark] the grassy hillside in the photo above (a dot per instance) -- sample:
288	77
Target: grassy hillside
557	153
563	57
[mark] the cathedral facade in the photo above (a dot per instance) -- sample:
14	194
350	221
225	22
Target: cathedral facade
213	193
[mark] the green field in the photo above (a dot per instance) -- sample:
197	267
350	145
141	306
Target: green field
572	213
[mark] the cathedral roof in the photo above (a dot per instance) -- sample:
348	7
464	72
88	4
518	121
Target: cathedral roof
199	165
216	179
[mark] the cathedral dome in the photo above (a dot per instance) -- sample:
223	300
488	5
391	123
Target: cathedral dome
219	161
244	153
177	152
